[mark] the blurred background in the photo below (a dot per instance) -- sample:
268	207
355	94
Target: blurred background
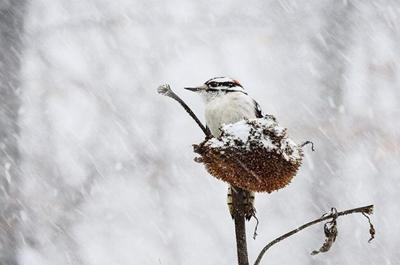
97	168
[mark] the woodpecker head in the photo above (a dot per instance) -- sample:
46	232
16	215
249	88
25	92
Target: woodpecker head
217	86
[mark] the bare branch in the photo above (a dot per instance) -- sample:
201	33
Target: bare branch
167	91
365	210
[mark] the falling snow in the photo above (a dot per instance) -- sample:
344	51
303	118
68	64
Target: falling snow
97	168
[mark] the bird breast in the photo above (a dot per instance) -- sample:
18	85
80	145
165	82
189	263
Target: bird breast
229	108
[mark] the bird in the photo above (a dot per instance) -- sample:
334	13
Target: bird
226	102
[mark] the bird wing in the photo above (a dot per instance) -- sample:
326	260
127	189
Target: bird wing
257	109
209	134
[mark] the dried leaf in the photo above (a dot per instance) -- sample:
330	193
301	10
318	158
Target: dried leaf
331	232
371	227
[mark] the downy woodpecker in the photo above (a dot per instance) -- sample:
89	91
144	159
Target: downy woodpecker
227	102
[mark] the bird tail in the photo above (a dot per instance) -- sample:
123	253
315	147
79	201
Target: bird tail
248	201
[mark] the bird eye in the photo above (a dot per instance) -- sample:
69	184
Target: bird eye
213	84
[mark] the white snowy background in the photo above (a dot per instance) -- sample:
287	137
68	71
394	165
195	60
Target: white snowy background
103	169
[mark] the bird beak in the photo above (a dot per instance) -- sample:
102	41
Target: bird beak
197	89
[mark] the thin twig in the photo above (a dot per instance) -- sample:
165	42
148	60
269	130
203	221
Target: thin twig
306	143
255	228
365	210
167	91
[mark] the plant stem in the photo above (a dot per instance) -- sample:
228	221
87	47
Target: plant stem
167	91
366	210
237	193
240	225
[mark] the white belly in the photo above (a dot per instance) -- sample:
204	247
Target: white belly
228	108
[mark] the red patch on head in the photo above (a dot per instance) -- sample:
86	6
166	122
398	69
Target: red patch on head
236	82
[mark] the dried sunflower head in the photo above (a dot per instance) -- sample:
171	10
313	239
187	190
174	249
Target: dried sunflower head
254	154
